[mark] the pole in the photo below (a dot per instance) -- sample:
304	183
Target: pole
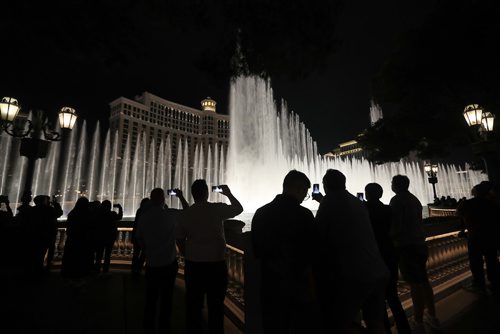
30	171
33	149
433	180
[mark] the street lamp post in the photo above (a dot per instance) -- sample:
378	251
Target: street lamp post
33	146
481	124
431	171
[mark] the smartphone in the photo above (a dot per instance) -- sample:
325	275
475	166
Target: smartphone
361	196
171	192
316	188
217	189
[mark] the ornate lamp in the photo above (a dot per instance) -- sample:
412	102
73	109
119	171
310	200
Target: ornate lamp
431	171
473	114
9	108
67	118
487	121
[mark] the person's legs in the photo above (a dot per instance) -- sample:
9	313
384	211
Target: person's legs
373	307
492	265
429	298
412	261
397	310
108	249
50	253
153	282
195	290
169	274
38	258
99	251
216	292
476	262
136	253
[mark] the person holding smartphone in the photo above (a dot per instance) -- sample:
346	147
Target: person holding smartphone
155	234
200	237
106	233
43	221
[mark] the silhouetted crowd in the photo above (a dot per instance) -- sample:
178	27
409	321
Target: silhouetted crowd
323	273
447	202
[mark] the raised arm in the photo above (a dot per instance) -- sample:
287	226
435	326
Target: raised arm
181	198
235	204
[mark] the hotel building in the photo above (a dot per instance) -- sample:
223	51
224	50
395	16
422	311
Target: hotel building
157	118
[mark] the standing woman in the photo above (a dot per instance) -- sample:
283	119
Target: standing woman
78	256
138	256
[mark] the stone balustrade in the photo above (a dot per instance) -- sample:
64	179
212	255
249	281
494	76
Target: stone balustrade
447	258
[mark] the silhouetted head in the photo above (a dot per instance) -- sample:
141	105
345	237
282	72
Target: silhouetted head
26	198
400	183
145	202
296	185
333	180
157	197
483	189
41	200
199	190
82	204
106	205
373	191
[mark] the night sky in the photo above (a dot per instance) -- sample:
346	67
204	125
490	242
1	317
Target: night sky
45	68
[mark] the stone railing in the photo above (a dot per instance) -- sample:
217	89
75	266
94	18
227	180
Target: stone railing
447	260
122	249
122	255
441	212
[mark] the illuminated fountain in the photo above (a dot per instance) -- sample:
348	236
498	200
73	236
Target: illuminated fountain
95	170
265	143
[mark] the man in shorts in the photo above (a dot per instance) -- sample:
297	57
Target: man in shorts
409	240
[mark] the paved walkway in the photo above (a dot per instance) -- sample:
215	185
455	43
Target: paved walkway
114	303
464	312
111	303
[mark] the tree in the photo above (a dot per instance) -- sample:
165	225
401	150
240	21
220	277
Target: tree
438	69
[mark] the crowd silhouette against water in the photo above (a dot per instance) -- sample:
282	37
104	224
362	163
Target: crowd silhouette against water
333	272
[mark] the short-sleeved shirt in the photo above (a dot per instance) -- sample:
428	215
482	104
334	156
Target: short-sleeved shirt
202	226
407	226
156	234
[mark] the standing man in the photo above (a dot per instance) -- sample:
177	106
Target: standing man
156	236
409	240
44	230
283	237
479	216
106	233
381	219
352	275
201	239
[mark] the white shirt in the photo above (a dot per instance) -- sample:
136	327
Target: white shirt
156	235
202	226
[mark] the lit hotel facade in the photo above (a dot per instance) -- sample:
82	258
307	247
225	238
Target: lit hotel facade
157	118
